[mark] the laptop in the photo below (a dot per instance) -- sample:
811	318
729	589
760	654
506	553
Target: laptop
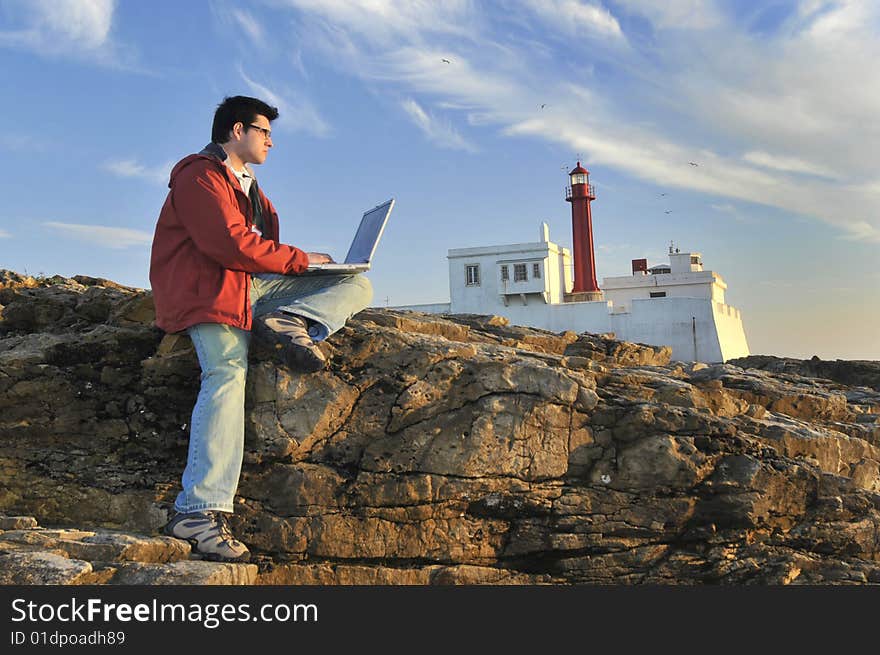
360	253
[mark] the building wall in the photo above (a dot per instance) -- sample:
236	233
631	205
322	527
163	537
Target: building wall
623	290
731	332
685	324
576	316
697	329
488	296
692	318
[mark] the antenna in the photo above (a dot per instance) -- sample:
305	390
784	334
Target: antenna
670	247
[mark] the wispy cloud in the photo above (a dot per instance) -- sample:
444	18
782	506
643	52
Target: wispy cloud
294	115
731	211
55	27
785	164
663	101
776	284
102	235
19	142
250	25
614	247
5	235
576	17
384	22
132	168
675	14
439	132
238	22
862	231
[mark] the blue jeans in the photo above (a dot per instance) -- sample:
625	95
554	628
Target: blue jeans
216	438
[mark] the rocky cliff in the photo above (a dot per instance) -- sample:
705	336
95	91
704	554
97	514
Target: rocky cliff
436	450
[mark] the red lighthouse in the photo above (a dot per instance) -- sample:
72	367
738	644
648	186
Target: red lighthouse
579	194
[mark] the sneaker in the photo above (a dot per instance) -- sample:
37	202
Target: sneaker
290	334
209	535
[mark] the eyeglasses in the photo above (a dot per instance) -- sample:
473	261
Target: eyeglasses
266	132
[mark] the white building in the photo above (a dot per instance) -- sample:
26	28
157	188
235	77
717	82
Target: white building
679	304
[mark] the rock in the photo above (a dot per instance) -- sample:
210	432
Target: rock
185	573
37	568
17	522
847	372
434	450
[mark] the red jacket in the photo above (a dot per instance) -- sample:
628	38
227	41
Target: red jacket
204	250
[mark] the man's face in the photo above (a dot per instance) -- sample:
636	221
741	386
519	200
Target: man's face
253	145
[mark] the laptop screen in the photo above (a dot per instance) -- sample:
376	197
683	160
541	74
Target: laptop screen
368	234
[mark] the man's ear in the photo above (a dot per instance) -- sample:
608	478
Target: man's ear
237	130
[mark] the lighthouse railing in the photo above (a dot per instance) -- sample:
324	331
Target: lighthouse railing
591	191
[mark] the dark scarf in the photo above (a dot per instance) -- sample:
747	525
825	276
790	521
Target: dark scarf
216	150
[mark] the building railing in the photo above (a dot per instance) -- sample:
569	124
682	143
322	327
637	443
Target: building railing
591	192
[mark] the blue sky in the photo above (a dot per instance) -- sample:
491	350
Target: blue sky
776	101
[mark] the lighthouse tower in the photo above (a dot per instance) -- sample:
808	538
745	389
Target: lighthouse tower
580	194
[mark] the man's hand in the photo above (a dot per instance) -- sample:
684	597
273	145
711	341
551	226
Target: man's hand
319	258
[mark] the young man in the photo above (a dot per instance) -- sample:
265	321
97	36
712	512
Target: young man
218	270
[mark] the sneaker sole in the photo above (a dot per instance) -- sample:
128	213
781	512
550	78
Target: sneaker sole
298	358
212	557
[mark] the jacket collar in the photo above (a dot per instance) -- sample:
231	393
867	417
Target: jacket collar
216	151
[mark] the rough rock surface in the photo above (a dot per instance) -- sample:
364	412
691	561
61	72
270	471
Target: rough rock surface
436	450
852	373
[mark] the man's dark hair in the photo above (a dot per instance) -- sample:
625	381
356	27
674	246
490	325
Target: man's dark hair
238	109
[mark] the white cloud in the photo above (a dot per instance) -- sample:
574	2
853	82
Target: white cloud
676	14
250	25
19	142
102	235
387	21
438	132
59	26
297	115
785	164
808	93
862	231
5	235
237	23
614	247
575	17
839	18
132	168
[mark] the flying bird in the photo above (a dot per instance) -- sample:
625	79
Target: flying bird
692	163
663	194
544	105
446	61
668	212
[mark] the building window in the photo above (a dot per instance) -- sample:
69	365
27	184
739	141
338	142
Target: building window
536	271
505	276
658	294
695	260
519	273
472	275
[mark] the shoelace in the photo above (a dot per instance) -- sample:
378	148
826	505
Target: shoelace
223	528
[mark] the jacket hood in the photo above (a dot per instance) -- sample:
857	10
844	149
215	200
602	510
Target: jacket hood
213	151
210	151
